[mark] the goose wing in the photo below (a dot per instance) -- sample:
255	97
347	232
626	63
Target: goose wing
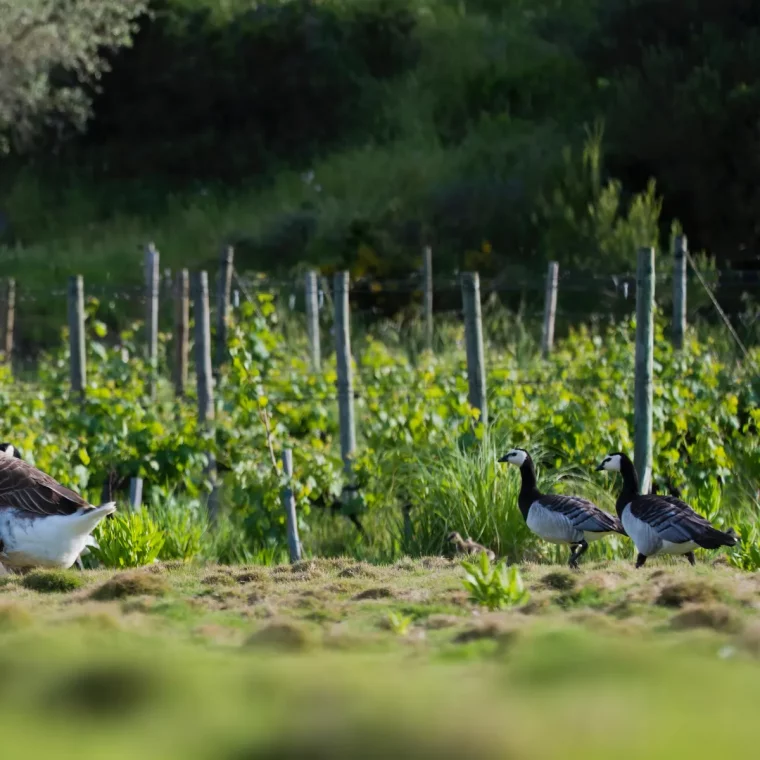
583	514
26	488
675	521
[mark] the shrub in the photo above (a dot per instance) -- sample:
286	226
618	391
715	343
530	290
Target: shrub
52	581
128	539
494	587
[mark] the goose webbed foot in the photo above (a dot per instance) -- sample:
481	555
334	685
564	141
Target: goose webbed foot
691	558
640	560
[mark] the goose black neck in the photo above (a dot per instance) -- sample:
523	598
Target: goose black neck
631	487
529	489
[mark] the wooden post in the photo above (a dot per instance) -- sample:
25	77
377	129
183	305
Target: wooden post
236	299
152	283
223	304
680	249
181	331
9	320
473	331
642	420
427	274
345	381
550	309
76	335
289	502
312	319
135	494
203	348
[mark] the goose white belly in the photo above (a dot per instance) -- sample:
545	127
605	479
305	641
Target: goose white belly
647	540
556	527
46	541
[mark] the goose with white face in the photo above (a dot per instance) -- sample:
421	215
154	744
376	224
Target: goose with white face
558	518
516	457
612	463
660	524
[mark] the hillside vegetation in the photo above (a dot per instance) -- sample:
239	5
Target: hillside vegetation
346	133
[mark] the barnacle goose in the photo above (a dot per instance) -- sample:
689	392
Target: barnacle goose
559	519
468	546
42	523
661	524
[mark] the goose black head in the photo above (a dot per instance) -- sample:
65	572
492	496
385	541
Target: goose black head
9	450
612	462
516	457
453	537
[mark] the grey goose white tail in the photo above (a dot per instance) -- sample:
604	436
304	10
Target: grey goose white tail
42	523
661	524
559	519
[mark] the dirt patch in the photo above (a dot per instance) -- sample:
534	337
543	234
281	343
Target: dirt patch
439	622
360	570
374	593
559	580
252	575
131	584
692	591
436	563
219	579
283	634
718	617
498	629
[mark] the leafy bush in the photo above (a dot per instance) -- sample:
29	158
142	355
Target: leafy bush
494	587
129	539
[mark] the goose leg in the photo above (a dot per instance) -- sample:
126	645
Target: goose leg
640	560
690	557
79	563
578	550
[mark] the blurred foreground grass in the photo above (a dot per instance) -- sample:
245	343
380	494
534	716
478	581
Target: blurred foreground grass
235	663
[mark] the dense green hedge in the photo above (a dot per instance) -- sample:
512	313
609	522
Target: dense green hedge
209	95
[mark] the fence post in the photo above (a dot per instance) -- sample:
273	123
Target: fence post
473	332
9	319
312	319
550	309
642	419
76	335
223	304
680	249
152	283
135	494
344	370
427	274
181	331
289	502
203	348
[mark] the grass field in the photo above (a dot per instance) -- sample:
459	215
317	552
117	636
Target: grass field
302	661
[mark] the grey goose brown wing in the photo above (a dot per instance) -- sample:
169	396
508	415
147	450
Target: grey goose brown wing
676	522
26	488
583	514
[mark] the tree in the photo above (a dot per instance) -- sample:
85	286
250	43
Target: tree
52	55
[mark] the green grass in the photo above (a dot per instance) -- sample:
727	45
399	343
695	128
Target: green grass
246	658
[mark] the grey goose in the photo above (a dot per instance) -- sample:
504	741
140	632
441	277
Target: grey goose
468	546
659	524
42	523
559	519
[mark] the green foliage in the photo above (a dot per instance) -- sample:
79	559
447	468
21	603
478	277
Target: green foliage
53	581
496	587
399	623
129	539
419	441
53	55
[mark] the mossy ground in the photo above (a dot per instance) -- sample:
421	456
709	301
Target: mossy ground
274	661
